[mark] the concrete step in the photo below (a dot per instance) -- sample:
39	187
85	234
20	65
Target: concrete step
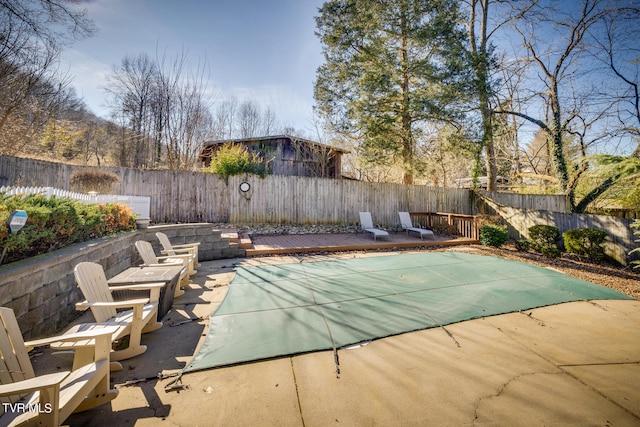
231	235
243	241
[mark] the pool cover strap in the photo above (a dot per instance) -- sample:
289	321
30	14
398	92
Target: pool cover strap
336	358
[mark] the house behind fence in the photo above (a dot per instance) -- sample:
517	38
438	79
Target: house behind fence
286	155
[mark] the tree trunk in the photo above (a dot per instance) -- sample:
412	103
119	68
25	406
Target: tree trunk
481	69
594	194
407	134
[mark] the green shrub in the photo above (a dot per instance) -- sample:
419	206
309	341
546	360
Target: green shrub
523	245
54	223
550	251
544	237
585	242
493	235
235	159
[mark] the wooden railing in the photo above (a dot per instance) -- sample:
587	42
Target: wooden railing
447	223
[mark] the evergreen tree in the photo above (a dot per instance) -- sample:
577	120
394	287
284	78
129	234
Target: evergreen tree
390	68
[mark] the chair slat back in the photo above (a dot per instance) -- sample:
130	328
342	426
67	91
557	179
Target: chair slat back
405	220
365	220
93	284
15	364
146	252
166	244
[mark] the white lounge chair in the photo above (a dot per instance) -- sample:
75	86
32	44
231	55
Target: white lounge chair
50	398
366	224
140	318
190	249
150	259
405	221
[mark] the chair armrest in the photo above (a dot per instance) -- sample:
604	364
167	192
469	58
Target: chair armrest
166	264
182	257
76	336
137	286
115	304
187	245
32	384
188	251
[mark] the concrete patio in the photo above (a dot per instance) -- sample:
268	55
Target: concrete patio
570	364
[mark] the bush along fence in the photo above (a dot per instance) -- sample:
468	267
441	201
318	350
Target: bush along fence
139	204
619	242
53	223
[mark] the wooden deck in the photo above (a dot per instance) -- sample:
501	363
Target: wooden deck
301	243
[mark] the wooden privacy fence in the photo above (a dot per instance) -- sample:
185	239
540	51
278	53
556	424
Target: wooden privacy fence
184	196
298	200
620	235
179	196
544	202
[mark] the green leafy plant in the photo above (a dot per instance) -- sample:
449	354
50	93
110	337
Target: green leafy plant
551	252
235	159
493	235
544	239
54	223
585	242
523	245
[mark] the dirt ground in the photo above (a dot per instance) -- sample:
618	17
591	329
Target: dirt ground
621	278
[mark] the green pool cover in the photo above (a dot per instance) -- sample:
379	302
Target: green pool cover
278	310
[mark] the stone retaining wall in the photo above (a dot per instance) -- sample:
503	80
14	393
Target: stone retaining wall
42	290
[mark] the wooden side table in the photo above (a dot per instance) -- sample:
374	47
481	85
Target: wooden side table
138	275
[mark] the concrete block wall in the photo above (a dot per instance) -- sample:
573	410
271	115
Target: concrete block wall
42	290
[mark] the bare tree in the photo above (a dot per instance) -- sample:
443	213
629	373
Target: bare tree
249	119
224	119
32	34
269	122
166	104
189	120
620	36
554	39
132	87
486	18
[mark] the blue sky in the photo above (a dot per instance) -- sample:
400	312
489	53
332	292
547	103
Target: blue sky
265	51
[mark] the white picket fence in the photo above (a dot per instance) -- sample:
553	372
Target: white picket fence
140	205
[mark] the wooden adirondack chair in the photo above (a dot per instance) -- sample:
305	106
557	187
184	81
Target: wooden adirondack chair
150	259
139	319
49	399
190	249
